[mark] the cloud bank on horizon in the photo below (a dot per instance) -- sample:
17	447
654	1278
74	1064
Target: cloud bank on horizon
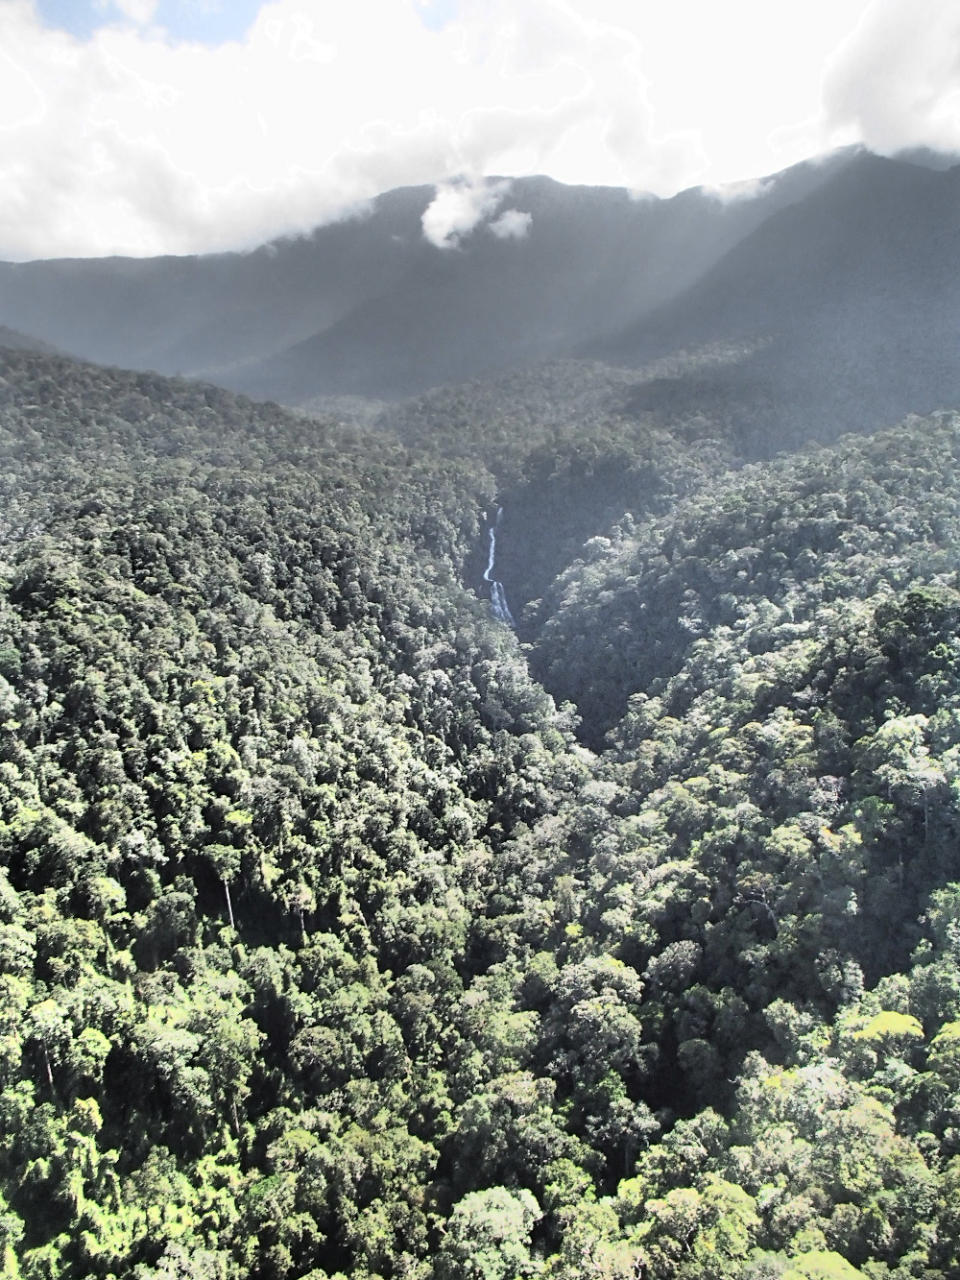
176	126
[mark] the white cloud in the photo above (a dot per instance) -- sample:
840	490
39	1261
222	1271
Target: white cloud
458	207
895	82
511	225
131	142
737	192
143	146
135	10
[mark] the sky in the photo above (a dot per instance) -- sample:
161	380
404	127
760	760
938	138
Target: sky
181	126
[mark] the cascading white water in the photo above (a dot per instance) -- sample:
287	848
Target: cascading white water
498	597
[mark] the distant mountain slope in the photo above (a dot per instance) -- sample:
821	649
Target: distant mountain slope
368	306
192	314
847	303
593	258
832	294
13	340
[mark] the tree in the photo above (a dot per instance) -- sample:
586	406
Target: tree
487	1236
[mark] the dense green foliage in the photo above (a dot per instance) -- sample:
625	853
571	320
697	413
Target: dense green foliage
751	555
331	945
568	458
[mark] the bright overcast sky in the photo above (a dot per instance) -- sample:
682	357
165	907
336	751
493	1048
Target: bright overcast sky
176	126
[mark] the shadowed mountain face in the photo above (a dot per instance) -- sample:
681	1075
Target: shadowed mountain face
368	306
593	259
846	305
199	315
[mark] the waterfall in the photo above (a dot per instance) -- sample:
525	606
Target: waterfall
498	597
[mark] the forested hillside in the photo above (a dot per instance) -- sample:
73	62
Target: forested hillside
346	933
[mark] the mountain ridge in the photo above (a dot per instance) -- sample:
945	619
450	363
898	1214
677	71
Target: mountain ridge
349	307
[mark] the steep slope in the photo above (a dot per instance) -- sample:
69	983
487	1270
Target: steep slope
846	304
779	538
567	458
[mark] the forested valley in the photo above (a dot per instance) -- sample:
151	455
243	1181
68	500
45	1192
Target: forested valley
346	931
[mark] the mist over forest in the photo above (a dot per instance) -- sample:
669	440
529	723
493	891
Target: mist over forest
480	743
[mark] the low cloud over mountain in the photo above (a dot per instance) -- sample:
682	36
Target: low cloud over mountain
428	286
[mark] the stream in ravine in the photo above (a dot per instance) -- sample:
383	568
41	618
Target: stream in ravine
498	597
